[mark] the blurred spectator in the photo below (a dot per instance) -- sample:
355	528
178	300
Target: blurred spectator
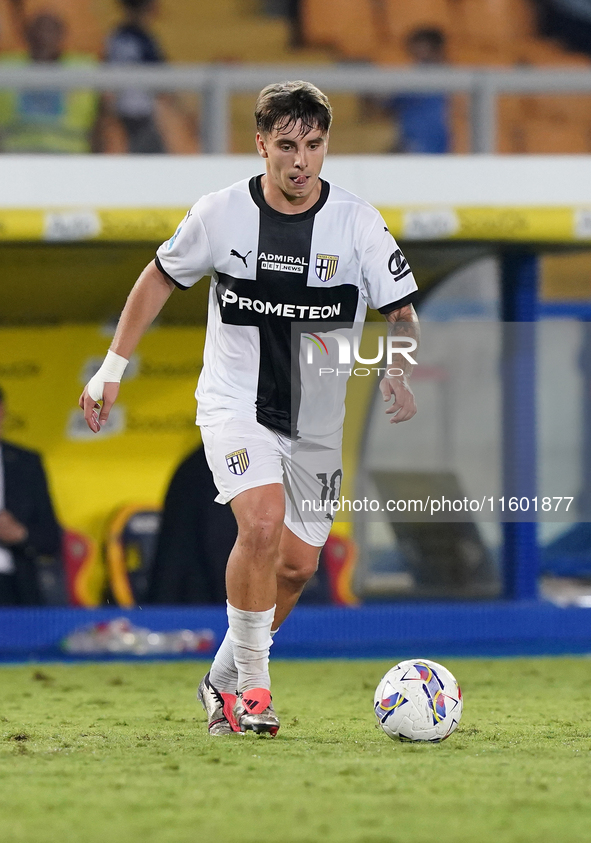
290	9
28	526
567	20
423	119
136	121
132	43
195	540
45	121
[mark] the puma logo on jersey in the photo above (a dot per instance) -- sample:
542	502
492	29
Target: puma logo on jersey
235	254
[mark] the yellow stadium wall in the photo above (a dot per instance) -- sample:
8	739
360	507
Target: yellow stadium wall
43	371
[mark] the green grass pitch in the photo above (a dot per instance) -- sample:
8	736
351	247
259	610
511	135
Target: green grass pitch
118	753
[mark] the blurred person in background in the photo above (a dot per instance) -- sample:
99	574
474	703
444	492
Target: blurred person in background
28	526
132	43
147	124
567	20
422	119
45	121
195	539
292	10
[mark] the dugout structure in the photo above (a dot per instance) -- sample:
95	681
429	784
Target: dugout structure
75	232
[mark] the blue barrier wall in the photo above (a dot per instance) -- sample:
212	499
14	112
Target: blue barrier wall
390	631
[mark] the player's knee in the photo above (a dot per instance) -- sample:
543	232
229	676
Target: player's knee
297	572
259	514
261	532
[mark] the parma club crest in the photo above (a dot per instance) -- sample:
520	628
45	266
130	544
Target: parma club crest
326	266
238	461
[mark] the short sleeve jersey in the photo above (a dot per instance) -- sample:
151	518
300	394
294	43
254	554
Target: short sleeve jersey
275	274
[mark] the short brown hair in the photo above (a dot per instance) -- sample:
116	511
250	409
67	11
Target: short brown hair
281	105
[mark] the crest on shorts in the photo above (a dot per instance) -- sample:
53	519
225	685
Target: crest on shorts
326	266
238	461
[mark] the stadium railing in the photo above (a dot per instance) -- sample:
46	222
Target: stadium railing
216	83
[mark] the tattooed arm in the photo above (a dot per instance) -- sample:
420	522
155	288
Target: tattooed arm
402	323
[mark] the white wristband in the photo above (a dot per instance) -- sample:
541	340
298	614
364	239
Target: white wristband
111	371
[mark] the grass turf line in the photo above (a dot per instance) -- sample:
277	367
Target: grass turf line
119	752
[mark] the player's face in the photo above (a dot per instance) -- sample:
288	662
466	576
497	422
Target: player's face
294	161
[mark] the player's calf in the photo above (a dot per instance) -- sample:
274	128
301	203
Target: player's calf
296	565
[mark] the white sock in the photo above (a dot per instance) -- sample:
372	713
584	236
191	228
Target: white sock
223	672
251	639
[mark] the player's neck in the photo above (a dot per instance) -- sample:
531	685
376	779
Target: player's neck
279	201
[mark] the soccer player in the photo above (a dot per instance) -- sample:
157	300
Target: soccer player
283	250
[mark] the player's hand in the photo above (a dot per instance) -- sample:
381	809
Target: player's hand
11	530
95	414
404	406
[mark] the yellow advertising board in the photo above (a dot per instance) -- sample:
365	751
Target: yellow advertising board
525	224
43	370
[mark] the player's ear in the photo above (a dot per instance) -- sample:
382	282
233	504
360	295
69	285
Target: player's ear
261	146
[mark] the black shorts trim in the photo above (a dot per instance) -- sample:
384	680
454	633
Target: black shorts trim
396	305
166	275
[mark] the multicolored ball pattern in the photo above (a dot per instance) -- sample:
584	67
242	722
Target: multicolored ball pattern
418	700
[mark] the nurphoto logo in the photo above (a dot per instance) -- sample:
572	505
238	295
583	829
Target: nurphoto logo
348	353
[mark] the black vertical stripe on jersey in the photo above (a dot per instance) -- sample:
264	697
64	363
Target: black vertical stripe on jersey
287	235
278	378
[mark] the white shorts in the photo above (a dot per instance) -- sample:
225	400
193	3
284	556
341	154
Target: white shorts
244	454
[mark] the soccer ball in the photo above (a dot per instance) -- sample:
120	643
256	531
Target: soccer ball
418	700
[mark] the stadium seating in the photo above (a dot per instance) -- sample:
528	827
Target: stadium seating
487	33
492	25
81	567
474	28
349	26
545	53
402	18
399	20
555	137
545	124
339	558
129	552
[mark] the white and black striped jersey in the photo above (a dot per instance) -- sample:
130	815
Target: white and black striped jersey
271	273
